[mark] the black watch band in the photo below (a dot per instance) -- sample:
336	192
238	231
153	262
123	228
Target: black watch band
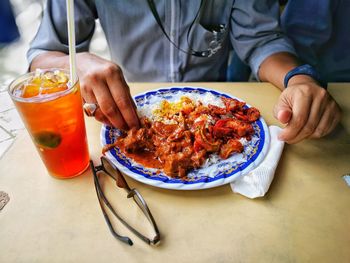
304	70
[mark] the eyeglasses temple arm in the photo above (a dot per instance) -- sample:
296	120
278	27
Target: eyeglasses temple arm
121	182
109	224
147	212
103	197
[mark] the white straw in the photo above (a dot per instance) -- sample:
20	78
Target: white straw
71	39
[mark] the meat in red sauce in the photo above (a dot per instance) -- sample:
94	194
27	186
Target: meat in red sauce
189	136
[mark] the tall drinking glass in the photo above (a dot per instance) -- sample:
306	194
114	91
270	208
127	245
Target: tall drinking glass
51	110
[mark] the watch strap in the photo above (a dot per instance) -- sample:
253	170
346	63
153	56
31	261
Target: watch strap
305	69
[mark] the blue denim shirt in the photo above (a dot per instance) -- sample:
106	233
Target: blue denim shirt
140	48
320	31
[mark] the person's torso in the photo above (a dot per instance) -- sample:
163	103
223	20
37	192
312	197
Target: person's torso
138	44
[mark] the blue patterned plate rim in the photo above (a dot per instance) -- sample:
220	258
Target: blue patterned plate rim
221	173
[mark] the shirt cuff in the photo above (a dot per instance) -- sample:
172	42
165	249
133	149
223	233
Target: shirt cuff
261	53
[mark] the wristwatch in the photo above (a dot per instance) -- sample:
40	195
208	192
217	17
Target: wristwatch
305	69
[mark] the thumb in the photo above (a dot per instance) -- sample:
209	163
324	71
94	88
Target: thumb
282	112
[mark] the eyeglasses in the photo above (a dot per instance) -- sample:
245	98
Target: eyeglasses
219	33
108	168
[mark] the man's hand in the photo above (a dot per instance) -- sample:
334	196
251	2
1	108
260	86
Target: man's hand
308	110
101	82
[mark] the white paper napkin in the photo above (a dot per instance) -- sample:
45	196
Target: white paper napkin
257	182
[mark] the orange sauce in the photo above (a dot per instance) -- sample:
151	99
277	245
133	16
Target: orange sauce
145	158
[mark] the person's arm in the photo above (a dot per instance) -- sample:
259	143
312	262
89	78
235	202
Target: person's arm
306	108
274	68
255	32
101	81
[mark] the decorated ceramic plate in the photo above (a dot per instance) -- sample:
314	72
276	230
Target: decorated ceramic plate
215	173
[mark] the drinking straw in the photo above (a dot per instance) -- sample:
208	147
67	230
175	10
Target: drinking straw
71	40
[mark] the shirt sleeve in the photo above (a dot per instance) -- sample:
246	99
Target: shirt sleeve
309	38
256	33
52	34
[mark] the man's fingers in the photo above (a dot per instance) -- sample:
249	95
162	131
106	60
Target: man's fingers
328	122
300	115
99	116
122	98
89	97
322	113
317	110
112	113
284	115
107	106
314	112
104	83
282	111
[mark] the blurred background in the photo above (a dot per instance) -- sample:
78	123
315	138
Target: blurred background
19	21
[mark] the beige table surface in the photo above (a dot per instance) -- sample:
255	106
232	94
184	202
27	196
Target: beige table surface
305	217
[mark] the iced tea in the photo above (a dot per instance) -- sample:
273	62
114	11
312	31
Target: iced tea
51	109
